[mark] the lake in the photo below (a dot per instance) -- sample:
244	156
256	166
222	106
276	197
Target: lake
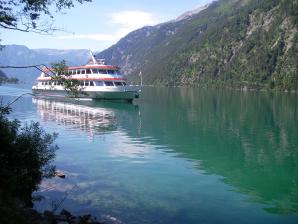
176	155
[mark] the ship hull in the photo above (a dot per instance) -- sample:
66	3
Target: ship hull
127	95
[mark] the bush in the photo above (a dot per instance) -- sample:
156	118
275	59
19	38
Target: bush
25	158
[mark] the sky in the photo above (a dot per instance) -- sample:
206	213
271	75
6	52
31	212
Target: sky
101	23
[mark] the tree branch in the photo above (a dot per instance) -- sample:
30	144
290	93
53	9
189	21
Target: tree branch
8	105
30	66
28	15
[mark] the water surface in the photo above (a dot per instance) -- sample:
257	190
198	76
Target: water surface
176	155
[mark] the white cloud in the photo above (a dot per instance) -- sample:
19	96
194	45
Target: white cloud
133	19
125	22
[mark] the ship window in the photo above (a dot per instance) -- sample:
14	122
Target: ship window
111	72
91	83
78	72
83	71
98	83
109	84
88	71
86	83
101	71
118	83
124	83
94	71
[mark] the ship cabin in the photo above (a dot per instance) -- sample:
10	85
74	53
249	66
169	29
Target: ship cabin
88	76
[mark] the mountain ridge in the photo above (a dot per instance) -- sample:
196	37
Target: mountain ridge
190	13
232	43
20	55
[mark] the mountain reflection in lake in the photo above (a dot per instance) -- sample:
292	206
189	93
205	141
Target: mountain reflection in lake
179	155
248	138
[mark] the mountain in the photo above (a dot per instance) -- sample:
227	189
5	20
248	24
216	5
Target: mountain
231	43
5	79
19	55
190	13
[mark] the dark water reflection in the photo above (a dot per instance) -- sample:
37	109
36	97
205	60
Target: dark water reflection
176	155
248	138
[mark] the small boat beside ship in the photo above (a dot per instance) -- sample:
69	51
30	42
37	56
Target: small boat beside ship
96	81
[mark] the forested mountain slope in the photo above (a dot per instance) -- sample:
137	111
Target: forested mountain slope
232	43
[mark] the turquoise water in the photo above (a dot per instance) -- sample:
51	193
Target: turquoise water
176	155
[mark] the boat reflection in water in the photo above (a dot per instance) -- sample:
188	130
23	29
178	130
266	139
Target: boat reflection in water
90	116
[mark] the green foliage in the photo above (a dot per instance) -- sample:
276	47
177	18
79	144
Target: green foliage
72	86
25	157
245	48
24	15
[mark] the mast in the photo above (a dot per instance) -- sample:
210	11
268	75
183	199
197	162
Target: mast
96	61
141	76
92	57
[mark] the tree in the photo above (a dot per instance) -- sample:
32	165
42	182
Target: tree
25	157
32	15
60	74
27	152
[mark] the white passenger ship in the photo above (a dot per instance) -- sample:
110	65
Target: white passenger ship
97	81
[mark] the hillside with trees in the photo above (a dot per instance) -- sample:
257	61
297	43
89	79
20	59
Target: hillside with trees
232	43
5	79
